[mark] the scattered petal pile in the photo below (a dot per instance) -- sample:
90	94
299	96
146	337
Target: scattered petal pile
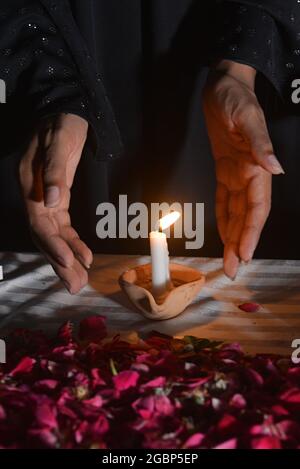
161	392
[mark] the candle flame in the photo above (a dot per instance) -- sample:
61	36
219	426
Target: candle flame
168	220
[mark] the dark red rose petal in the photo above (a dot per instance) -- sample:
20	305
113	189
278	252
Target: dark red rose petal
46	416
249	307
24	366
92	329
266	442
65	332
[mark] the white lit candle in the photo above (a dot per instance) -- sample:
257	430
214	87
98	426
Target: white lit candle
160	255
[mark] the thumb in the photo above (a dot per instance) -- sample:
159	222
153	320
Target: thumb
254	129
54	175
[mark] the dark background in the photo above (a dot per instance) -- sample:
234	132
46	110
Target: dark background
149	55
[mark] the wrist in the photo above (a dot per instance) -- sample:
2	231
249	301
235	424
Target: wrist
244	73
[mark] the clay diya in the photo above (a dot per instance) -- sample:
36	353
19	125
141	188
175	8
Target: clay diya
185	285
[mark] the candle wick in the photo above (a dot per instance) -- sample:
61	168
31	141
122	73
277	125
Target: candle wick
158	227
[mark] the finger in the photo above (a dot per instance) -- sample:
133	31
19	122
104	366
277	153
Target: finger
79	248
74	278
231	261
258	209
46	235
237	205
66	141
82	273
252	125
54	174
222	198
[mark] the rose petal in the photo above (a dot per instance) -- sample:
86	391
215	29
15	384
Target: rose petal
249	307
125	380
92	329
163	405
229	444
24	366
46	384
238	401
65	332
97	378
291	398
2	413
45	437
95	401
254	377
194	441
266	442
46	416
144	406
158	382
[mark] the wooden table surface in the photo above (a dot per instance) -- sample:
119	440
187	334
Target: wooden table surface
31	296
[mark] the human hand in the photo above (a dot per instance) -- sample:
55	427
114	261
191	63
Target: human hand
47	172
244	159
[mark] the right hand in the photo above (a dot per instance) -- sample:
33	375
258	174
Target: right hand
47	172
244	159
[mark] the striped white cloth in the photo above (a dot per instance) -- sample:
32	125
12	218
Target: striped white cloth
31	296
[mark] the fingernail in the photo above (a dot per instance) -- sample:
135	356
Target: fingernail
231	277
82	261
275	165
245	262
248	259
52	196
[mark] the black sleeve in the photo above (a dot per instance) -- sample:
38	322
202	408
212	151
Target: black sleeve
48	70
264	35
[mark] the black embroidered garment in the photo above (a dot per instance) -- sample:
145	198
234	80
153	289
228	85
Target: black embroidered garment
47	69
263	34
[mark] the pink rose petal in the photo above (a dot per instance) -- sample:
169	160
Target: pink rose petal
154	383
125	380
95	401
229	444
163	405
144	406
238	401
194	441
97	379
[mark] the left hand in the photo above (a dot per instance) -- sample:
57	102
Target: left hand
244	159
